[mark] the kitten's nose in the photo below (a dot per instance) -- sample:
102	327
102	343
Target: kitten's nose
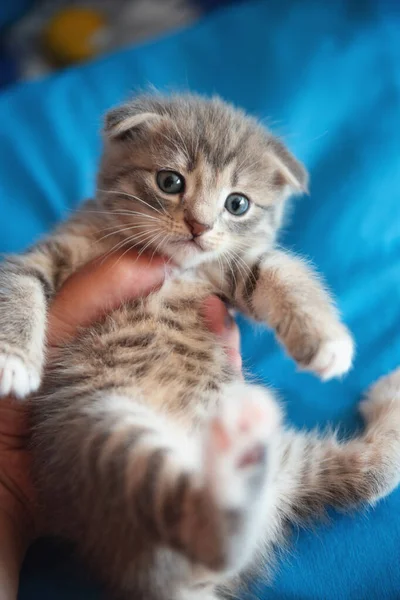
196	227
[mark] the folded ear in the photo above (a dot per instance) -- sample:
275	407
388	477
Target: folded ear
122	121
289	171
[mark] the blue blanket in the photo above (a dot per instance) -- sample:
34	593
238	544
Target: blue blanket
326	76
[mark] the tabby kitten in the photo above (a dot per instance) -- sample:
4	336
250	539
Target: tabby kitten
174	477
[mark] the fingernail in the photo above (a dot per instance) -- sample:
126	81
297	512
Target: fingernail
228	321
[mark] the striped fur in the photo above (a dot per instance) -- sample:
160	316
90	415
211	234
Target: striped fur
173	477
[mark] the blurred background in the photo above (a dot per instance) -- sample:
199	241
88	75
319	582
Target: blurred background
324	76
41	36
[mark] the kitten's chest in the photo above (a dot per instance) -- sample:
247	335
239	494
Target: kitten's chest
161	346
188	357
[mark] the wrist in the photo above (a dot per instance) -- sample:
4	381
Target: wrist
14	542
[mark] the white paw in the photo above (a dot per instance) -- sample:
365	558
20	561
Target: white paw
333	358
236	448
17	377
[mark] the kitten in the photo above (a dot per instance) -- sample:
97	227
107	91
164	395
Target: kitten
175	478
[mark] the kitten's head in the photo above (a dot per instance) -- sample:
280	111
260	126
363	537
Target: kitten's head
194	179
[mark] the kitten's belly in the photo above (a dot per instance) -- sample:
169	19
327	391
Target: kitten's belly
157	350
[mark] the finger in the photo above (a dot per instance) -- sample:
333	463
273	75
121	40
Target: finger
223	324
101	286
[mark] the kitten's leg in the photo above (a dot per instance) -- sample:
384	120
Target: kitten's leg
199	496
27	284
311	472
315	472
236	474
207	505
284	292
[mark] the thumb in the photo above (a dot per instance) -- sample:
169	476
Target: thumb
220	322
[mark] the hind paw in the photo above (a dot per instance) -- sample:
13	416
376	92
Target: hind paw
237	445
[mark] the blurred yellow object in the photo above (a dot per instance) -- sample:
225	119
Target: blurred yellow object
68	36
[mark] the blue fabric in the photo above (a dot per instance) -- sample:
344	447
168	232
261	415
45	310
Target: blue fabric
327	77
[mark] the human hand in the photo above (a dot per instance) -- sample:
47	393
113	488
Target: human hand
96	289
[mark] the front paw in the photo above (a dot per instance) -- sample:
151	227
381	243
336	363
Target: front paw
18	376
326	356
334	357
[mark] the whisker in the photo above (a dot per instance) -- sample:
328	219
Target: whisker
243	244
245	266
244	272
161	205
139	238
131	247
149	243
121	193
116	229
116	212
224	261
134	223
170	259
221	287
221	270
233	258
230	267
158	245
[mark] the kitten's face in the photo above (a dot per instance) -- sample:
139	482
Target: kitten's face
194	179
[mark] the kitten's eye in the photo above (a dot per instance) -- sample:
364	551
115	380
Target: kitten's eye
237	204
170	182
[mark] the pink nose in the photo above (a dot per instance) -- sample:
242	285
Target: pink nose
195	227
